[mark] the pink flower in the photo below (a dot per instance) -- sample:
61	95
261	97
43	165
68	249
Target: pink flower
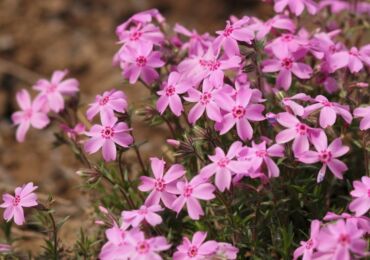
234	32
225	166
362	222
169	95
296	6
140	61
106	135
327	155
54	89
207	65
139	34
147	249
206	101
73	132
361	193
365	113
23	198
196	249
197	43
300	132
286	63
277	22
162	185
357	58
5	248
329	111
30	115
290	42
338	240
307	247
190	193
147	213
239	112
258	154
291	103
118	243
106	104
226	251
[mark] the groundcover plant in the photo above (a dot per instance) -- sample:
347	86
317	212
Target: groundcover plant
268	141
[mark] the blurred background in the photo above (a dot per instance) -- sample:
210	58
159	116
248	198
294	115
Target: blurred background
40	36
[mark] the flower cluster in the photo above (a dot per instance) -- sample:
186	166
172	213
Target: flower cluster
264	106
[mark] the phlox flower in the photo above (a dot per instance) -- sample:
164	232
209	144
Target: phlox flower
147	213
169	94
196	249
239	111
363	112
296	6
163	184
106	104
277	22
189	194
209	64
144	17
329	111
259	154
146	248
226	251
140	61
196	43
54	89
31	114
307	247
286	63
118	243
362	222
106	136
23	198
327	155
339	240
140	33
234	32
73	132
206	102
361	194
300	132
290	42
291	103
357	58
224	166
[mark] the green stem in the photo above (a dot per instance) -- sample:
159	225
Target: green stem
55	235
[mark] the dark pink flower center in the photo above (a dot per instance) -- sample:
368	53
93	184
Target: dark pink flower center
287	37
107	132
193	251
143	211
344	239
134	36
28	113
238	112
159	185
261	153
325	156
205	98
16	200
203	63
228	30
104	100
51	88
301	129
141	61
287	63
142	247
353	52
327	103
214	65
188	190
223	162
332	48
309	244
170	90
